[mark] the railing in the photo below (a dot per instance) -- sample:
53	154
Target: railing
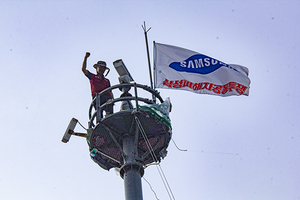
125	87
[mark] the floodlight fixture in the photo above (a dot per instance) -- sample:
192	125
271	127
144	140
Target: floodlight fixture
69	130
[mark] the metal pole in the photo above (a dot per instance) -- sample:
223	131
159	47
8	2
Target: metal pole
98	110
146	39
132	171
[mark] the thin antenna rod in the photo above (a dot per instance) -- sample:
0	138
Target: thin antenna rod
147	47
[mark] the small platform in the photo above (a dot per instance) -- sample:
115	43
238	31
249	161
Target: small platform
148	127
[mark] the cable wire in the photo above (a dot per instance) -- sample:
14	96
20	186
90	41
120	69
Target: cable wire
166	181
151	188
81	125
161	173
177	146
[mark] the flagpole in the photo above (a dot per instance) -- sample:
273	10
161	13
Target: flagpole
154	58
147	47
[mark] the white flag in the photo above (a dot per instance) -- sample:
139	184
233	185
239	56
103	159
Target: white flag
183	69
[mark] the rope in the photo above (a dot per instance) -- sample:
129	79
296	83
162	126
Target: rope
160	171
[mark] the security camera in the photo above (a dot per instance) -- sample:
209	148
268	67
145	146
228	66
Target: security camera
123	72
70	128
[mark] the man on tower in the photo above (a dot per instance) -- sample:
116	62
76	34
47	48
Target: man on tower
99	83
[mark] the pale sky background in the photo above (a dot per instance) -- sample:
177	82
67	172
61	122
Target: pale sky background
238	147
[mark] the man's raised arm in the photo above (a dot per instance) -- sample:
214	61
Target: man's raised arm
87	54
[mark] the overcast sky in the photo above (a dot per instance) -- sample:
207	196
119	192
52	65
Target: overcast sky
238	147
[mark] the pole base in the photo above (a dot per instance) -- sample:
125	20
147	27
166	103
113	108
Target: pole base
132	166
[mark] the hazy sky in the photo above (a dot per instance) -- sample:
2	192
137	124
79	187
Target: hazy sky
238	147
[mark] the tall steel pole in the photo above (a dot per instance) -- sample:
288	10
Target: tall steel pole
132	171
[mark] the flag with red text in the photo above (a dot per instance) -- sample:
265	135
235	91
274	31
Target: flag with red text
183	69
